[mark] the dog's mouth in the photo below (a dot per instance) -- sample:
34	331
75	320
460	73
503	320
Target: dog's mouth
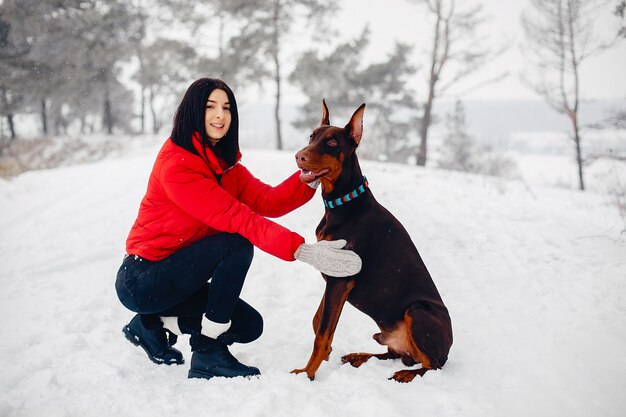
308	176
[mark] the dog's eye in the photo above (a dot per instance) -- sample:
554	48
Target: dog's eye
332	143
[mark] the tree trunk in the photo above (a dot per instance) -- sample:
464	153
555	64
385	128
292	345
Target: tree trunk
7	110
11	125
436	65
142	88
44	117
574	62
220	34
279	139
424	126
108	117
579	158
143	109
581	180
156	124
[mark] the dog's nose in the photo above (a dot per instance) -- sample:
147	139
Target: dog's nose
300	156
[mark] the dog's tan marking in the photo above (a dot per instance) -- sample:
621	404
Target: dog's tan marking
335	165
397	339
416	353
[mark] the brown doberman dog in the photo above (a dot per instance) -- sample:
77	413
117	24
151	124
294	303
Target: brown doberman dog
394	287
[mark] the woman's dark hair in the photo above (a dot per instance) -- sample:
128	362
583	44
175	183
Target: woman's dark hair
189	119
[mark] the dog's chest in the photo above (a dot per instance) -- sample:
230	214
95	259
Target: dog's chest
333	227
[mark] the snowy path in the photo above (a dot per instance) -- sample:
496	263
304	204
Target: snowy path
535	283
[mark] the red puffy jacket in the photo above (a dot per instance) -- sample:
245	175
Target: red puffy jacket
185	203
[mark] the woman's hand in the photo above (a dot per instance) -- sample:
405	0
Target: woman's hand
329	258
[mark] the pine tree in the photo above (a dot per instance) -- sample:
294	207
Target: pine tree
458	149
160	80
59	58
620	8
461	152
345	82
263	27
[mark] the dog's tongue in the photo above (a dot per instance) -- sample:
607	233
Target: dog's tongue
310	176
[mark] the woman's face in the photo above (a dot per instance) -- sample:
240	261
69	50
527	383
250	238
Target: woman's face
217	118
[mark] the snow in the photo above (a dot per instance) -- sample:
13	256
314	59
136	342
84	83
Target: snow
534	278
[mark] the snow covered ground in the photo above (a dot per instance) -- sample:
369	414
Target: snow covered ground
534	278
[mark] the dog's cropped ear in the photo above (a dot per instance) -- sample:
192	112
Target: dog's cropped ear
325	119
355	125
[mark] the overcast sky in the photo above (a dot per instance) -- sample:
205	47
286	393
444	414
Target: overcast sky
601	76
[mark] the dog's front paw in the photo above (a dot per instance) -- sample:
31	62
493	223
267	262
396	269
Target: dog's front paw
407	375
355	359
299	371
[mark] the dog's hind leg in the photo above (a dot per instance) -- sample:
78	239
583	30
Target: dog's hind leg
429	333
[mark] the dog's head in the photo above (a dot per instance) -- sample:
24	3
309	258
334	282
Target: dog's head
330	155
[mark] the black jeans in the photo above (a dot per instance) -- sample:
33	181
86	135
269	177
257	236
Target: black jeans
179	285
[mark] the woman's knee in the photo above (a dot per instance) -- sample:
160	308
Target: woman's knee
247	322
125	285
254	330
242	247
256	326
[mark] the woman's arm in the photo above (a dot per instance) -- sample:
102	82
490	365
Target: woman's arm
202	197
272	201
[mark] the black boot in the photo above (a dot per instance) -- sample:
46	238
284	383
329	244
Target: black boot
154	341
211	358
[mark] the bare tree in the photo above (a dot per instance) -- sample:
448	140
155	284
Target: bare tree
56	58
457	51
16	44
160	79
231	42
560	35
267	23
280	21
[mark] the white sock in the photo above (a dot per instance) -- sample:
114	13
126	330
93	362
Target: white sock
212	329
171	324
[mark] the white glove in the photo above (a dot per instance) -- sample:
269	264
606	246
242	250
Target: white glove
329	258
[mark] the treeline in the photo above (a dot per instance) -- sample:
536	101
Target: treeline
61	60
72	63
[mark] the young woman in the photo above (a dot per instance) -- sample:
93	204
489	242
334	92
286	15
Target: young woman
190	248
